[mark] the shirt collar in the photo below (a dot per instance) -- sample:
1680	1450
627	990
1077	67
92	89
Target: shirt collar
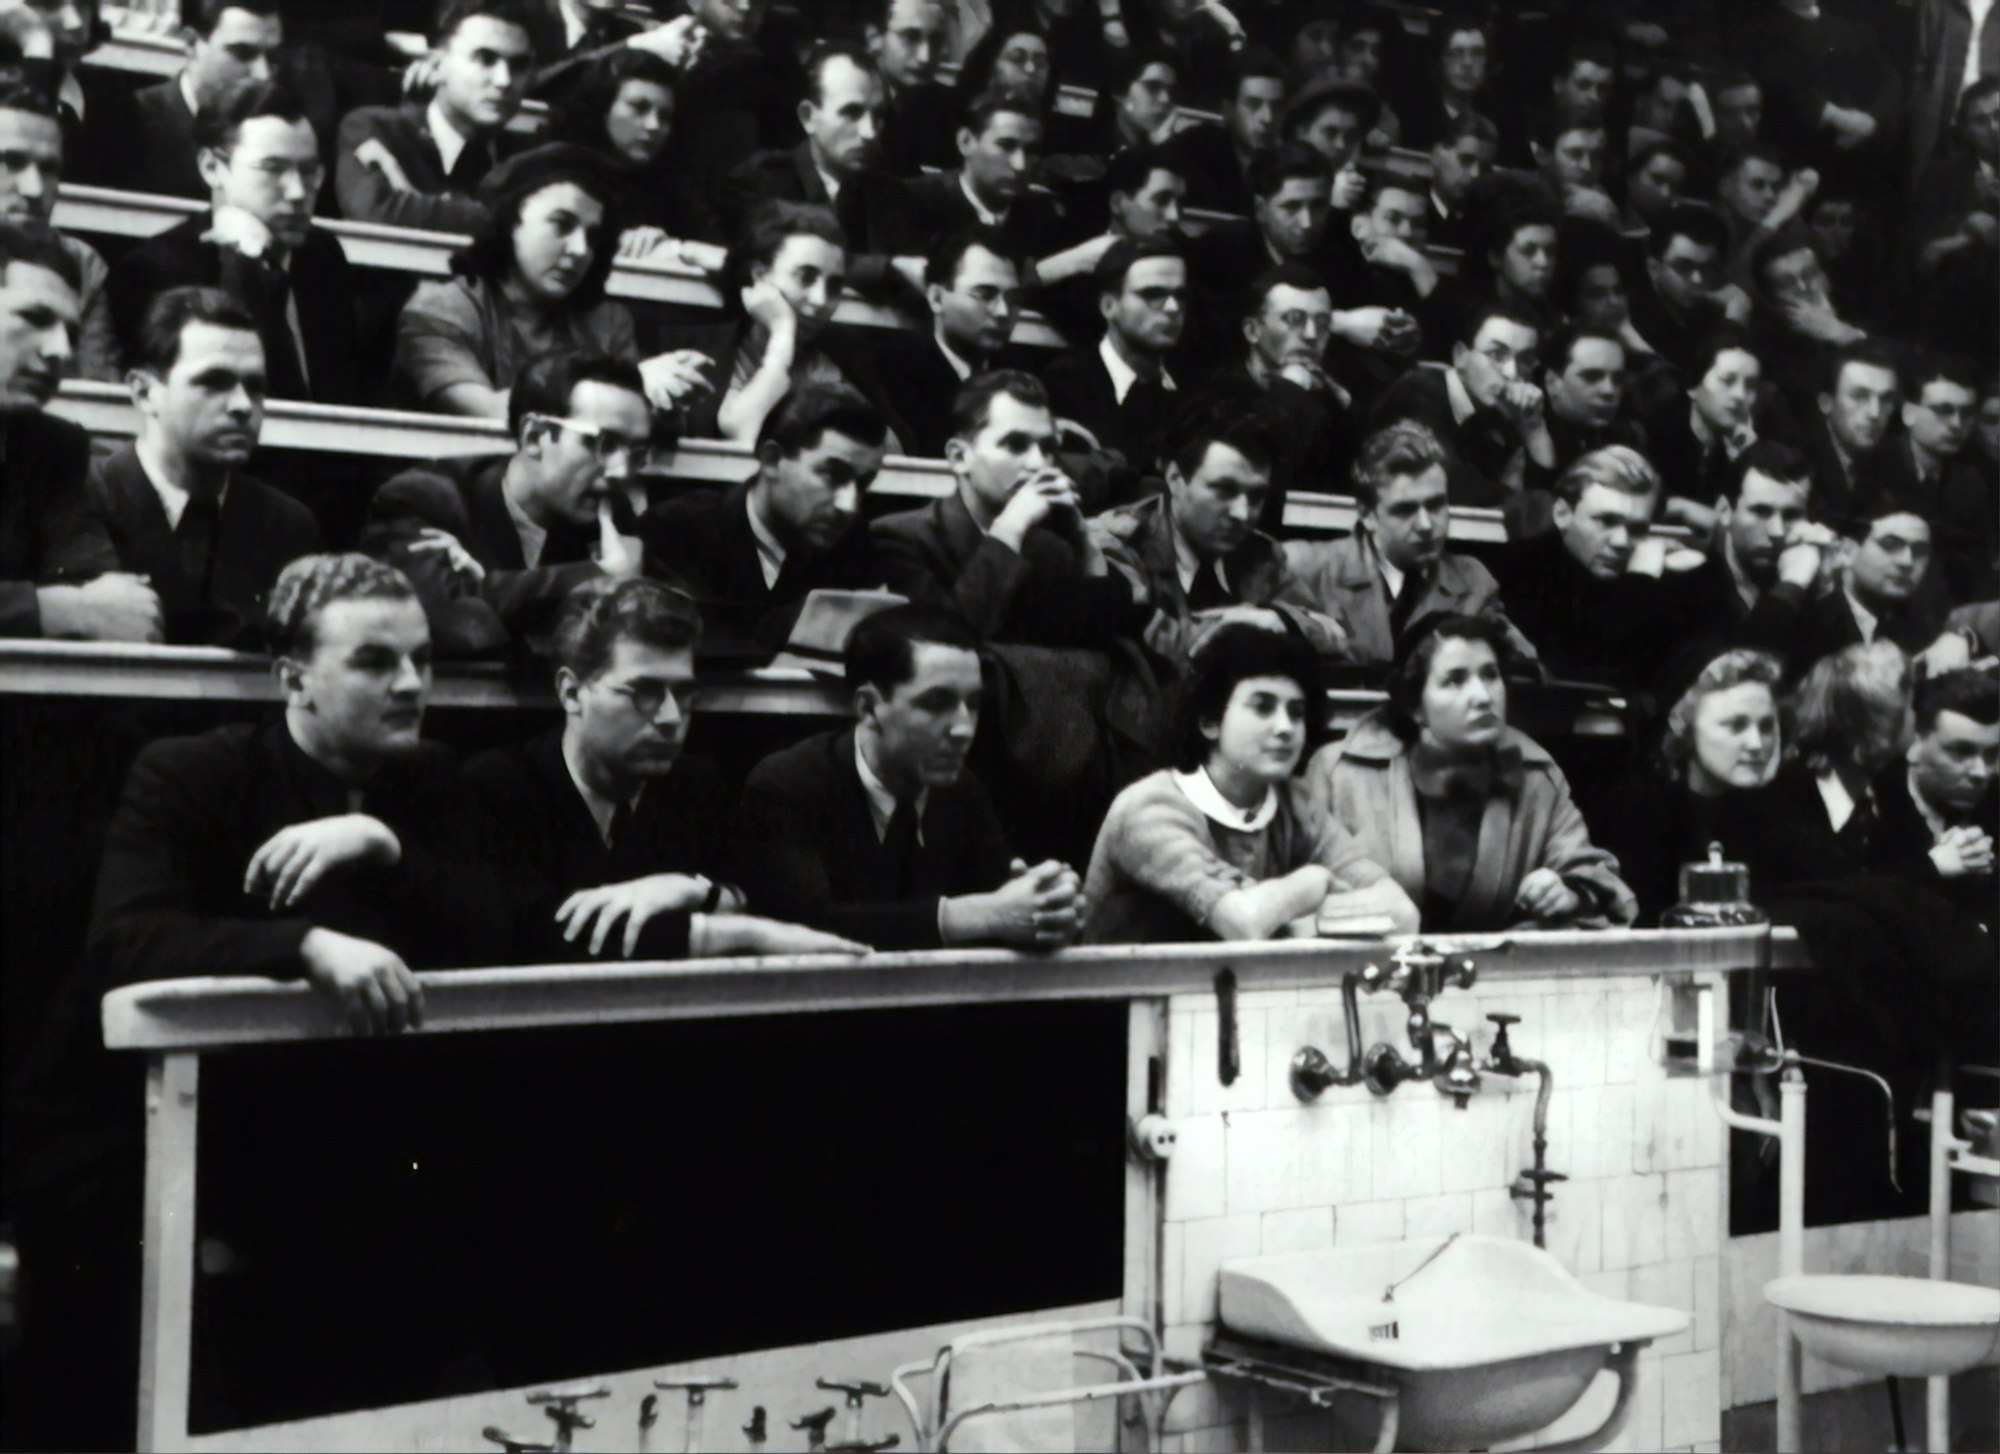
533	537
1198	788
1747	590
958	363
70	94
1933	819
770	550
1866	619
186	83
601	808
576	23
1395	577
450	144
1187	565
1123	377
1462	407
987	215
173	499
882	802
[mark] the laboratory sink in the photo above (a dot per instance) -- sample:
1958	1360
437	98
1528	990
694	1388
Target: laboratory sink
1900	1327
1484	1338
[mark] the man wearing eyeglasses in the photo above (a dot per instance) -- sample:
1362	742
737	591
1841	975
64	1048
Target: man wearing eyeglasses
229	42
494	545
616	835
1685	255
752	554
1282	377
257	243
1483	408
974	291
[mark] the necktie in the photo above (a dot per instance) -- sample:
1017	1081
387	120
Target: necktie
195	538
620	832
899	845
1402	604
1205	591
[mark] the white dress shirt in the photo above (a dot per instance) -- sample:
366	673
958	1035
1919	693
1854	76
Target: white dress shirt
770	550
1123	376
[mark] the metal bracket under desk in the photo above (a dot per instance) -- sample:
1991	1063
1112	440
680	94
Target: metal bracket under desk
1310	1376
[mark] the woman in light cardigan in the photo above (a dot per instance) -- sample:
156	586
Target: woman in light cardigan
1225	845
1471	817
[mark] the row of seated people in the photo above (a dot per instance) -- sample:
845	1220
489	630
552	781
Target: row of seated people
495	542
463	341
540	283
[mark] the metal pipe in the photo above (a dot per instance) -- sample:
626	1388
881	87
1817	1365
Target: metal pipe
1791	1246
1937	1391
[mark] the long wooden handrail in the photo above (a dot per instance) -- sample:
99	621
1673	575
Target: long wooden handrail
211	1014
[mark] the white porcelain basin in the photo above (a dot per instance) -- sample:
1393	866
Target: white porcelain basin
1903	1327
1491	1340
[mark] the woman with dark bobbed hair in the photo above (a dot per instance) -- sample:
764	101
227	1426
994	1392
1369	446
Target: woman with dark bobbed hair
624	107
1473	818
1226	844
531	282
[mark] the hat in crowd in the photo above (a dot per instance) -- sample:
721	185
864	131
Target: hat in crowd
543	166
1328	89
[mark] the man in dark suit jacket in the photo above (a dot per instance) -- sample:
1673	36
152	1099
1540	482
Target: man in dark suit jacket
59	575
257	243
1282	377
179	512
229	42
421	165
1008	548
1883	595
329	844
493	546
1571	591
1485	408
877	831
1216	160
1756	588
999	142
974	291
753	553
922	118
1932	467
835	166
1121	390
616	836
1846	438
1940	814
1678	307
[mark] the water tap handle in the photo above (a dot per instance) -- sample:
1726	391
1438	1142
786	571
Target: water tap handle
493	1435
855	1389
1312	1073
1502	1056
814	1425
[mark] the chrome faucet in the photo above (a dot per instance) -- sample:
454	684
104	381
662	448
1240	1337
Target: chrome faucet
1420	973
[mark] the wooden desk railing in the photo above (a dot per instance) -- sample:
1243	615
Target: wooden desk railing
105	212
106	410
180	1017
120	671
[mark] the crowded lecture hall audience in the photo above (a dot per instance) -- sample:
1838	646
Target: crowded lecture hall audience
1200	463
